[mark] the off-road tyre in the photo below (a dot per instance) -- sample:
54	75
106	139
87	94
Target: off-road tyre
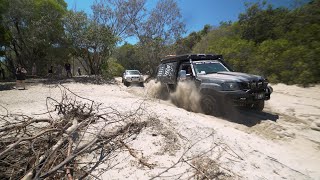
258	106
210	105
163	92
126	83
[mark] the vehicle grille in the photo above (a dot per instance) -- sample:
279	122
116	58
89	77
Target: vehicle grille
254	85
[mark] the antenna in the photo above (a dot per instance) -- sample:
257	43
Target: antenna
75	5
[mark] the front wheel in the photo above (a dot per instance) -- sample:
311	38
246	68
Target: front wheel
210	105
258	106
126	83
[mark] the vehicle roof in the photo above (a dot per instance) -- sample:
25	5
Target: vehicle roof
194	57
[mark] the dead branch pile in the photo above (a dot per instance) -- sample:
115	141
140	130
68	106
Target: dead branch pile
205	164
81	138
78	136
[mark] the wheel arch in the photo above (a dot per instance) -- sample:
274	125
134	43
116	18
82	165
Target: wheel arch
207	87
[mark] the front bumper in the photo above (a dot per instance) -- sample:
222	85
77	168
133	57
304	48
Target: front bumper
134	79
244	98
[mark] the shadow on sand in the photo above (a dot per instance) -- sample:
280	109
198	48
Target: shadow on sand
248	117
98	80
245	116
80	79
5	86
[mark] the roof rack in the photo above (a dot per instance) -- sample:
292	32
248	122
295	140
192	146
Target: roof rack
186	57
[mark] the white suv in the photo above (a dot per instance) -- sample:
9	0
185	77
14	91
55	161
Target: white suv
132	76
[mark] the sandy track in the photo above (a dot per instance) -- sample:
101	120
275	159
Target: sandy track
278	143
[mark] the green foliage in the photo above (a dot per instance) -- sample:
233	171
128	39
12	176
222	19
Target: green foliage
115	69
91	41
261	23
280	44
237	51
46	33
185	45
32	28
128	56
111	68
213	36
157	32
4	33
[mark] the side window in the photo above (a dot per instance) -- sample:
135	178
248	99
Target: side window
187	68
167	72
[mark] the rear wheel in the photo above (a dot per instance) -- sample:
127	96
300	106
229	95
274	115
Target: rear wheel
210	105
162	92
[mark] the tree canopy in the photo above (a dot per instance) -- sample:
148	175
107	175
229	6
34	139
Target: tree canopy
279	43
46	33
31	28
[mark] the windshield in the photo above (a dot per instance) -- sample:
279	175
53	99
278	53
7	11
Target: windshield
133	72
209	67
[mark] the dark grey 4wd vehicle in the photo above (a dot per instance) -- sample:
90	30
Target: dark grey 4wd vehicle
218	85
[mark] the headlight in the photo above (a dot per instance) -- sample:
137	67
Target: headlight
230	86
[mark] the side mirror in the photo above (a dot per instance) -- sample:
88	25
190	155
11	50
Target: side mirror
182	75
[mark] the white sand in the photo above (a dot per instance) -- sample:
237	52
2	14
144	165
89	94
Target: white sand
283	145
